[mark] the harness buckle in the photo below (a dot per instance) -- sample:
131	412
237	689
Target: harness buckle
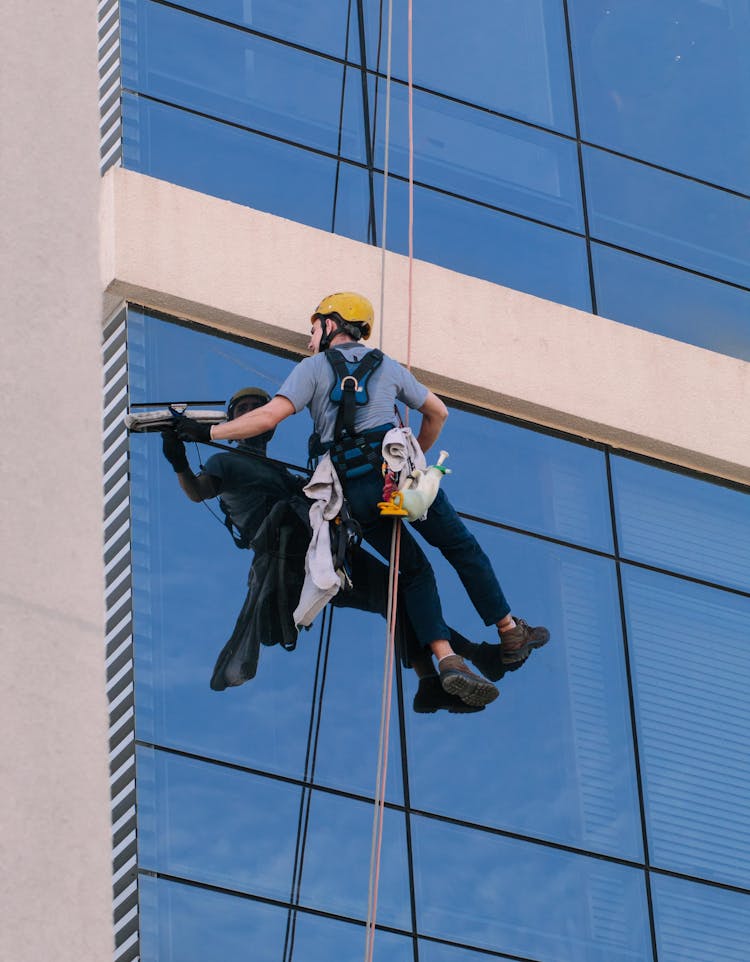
350	377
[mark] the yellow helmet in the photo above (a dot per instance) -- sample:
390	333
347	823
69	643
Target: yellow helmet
351	308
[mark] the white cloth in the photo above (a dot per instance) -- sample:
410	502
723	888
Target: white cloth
322	581
401	451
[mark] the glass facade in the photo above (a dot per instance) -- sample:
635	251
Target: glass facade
592	153
596	811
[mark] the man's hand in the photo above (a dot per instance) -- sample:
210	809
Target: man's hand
188	429
174	451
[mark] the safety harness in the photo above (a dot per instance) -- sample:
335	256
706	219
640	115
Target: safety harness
353	454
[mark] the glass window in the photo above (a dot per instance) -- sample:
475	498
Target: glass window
681	523
669	217
553	756
698	922
347	752
527	900
189	579
321	26
323	940
212	824
215	158
668	301
531	480
667	82
691	661
474	240
475	154
233	75
510	57
185	923
337	861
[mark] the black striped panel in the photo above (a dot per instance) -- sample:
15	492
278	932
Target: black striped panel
119	638
110	115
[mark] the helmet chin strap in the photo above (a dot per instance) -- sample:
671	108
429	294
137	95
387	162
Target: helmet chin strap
341	328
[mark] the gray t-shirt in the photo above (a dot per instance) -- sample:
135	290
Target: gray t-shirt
310	383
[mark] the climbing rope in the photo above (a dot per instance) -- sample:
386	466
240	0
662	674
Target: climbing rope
393	570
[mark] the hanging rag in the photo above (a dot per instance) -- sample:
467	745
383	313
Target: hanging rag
322	580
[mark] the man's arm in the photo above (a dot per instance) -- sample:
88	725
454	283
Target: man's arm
254	422
434	414
196	487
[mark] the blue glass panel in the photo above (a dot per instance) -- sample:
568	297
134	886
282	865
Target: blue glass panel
475	154
233	75
698	922
183	923
511	474
337	861
510	57
527	900
681	523
189	581
691	662
678	220
214	158
211	824
321	25
474	240
553	756
323	940
668	301
667	82
350	721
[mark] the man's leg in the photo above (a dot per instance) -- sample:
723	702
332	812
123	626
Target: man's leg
419	591
443	529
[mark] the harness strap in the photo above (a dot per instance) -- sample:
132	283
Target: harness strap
350	386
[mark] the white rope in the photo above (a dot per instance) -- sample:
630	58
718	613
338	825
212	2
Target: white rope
385	701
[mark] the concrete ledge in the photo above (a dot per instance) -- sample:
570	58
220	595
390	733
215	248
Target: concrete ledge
259	276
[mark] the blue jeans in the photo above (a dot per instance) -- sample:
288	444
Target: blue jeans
443	529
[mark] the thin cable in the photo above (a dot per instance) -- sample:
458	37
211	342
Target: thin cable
394	561
385	171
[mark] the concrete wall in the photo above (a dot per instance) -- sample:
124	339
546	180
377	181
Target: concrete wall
259	275
55	849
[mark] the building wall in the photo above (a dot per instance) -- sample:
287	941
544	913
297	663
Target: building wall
56	841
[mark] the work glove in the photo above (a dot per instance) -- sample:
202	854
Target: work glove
187	429
174	451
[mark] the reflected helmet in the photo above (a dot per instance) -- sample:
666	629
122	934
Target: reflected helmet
257	392
349	309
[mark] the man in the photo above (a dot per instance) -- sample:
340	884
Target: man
340	322
253	492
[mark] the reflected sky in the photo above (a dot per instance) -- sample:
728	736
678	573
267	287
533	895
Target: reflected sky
696	922
236	76
517	63
320	27
672	302
182	923
667	82
326	940
552	757
217	825
668	217
527	900
691	660
682	523
337	861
